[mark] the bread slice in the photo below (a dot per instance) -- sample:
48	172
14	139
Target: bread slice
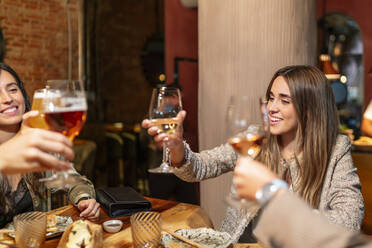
82	234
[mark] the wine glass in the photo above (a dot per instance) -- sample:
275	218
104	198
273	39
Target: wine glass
246	133
164	107
64	108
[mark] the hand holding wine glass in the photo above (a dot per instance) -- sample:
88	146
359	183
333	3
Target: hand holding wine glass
174	141
164	115
246	132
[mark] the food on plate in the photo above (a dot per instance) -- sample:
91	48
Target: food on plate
82	234
363	140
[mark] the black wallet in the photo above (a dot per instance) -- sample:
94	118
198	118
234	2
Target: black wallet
121	201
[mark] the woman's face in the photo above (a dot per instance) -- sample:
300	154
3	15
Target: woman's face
12	103
282	114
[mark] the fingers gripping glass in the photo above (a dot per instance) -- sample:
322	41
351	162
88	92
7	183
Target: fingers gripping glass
164	107
246	133
63	108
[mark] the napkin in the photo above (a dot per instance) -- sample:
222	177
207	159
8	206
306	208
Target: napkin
121	201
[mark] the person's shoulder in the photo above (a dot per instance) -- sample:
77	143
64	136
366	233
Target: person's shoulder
341	146
343	140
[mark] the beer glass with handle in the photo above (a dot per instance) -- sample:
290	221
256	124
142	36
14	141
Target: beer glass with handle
164	107
64	110
246	133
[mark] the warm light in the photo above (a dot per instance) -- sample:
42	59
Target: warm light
343	79
162	77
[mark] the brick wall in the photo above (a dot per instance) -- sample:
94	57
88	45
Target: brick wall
37	39
37	48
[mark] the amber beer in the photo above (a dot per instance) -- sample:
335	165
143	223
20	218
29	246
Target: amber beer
37	104
68	120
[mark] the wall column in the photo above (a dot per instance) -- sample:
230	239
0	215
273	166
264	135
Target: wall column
241	44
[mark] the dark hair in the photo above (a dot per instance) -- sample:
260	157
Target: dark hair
9	69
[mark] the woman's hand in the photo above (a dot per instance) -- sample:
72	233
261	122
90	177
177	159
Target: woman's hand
30	150
90	209
250	176
173	141
26	119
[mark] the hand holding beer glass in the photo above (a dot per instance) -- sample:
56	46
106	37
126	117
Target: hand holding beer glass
62	108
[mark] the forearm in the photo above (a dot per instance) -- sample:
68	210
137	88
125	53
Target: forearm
83	189
302	228
206	164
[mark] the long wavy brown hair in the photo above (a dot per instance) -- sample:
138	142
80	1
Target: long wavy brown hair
31	179
317	131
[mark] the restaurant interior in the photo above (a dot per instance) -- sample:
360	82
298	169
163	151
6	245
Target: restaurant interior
210	49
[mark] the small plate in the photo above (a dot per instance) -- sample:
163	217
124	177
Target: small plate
61	223
112	226
206	237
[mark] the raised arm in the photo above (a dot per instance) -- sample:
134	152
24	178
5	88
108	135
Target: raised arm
286	221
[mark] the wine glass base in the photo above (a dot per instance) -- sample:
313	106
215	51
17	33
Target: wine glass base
163	168
61	180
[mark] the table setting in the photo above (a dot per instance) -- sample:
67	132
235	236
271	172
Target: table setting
174	225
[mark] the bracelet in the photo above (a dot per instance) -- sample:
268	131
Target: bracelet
265	194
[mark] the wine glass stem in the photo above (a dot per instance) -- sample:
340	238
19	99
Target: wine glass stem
166	154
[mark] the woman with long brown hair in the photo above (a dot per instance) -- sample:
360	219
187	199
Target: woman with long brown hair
23	192
304	148
308	148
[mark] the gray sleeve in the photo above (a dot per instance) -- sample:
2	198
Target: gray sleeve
302	228
206	164
345	205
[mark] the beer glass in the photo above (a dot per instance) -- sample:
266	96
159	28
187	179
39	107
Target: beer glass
146	229
30	229
64	111
164	107
37	104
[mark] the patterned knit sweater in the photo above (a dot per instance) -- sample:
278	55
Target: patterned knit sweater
341	199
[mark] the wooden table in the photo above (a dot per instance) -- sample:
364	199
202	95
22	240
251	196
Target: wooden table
174	216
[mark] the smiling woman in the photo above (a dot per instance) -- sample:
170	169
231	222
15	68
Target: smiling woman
12	105
21	193
304	148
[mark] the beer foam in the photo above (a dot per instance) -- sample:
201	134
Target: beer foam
67	109
45	94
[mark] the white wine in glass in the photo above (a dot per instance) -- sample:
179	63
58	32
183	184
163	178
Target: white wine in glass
164	107
247	134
